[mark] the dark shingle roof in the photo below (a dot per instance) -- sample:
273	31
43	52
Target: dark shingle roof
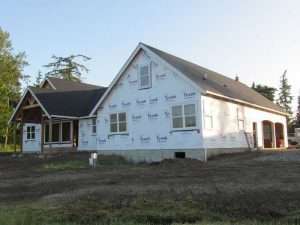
68	103
216	82
66	85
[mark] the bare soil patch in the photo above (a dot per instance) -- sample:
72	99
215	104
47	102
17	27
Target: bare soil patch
230	187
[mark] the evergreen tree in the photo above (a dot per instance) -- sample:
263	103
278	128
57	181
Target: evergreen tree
38	79
11	74
298	113
266	91
285	98
67	67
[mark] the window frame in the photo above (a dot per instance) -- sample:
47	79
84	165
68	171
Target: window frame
240	119
184	116
148	65
31	131
94	126
50	126
70	131
118	123
207	114
59	130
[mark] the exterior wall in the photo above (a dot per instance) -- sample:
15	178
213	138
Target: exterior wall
31	145
225	132
87	141
149	118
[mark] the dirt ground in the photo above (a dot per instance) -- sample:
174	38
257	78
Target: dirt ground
254	185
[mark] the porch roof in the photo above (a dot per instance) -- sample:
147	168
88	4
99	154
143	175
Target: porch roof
75	103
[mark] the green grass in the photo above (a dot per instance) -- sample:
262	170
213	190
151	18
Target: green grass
9	148
65	165
33	216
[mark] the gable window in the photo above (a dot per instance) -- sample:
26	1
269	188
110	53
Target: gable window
208	116
145	77
184	116
30	133
118	122
240	119
94	126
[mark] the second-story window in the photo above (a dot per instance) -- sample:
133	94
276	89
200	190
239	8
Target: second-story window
145	77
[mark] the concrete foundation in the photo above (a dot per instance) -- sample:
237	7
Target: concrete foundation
153	155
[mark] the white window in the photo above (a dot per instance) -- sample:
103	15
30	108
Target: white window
184	116
145	77
30	133
240	119
118	122
208	115
94	126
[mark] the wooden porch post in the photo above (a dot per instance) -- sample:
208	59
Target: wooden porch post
15	136
42	134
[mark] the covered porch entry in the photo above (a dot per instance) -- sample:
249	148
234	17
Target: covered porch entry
59	134
42	131
273	135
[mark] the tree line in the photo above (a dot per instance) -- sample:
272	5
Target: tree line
72	68
12	77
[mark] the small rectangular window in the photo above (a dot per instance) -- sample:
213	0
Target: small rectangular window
145	77
30	133
208	122
94	125
240	119
118	122
184	116
208	115
179	155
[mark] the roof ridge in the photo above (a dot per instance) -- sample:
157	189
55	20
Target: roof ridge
215	82
71	81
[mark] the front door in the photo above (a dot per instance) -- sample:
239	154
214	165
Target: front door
31	137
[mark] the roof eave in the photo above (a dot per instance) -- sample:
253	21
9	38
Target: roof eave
210	93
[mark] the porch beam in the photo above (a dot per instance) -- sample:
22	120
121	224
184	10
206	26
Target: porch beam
30	106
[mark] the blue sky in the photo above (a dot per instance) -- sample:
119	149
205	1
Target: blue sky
254	39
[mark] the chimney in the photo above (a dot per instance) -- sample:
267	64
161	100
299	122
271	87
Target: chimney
237	78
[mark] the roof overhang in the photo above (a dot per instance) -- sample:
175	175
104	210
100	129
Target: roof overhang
216	95
28	90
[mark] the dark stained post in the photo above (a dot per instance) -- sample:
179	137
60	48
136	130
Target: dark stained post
21	136
15	136
42	134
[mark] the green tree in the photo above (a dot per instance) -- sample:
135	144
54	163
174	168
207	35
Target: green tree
11	74
67	67
285	98
38	79
267	91
298	113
